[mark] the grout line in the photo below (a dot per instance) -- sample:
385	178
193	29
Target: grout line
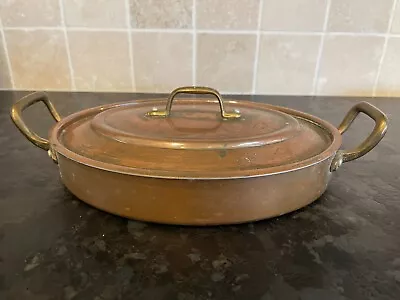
222	92
206	31
8	62
103	29
321	49
12	28
255	32
257	51
232	92
209	31
130	45
356	34
64	29
194	44
64	90
384	48
303	33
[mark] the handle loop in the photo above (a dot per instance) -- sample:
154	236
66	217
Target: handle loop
197	91
370	142
16	116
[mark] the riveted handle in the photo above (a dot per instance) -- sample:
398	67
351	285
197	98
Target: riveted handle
16	116
370	142
197	91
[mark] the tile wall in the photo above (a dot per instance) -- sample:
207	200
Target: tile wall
307	47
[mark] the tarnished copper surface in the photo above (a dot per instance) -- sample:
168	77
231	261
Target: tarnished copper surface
198	162
195	202
194	141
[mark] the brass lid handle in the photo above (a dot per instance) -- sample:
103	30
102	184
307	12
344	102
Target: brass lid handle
197	91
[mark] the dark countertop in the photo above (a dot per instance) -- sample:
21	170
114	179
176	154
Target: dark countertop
346	245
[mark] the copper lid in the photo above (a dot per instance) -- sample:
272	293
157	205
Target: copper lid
194	138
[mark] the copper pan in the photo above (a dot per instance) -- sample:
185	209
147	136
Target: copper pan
195	163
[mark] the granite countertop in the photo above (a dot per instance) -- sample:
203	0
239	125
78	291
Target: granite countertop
346	245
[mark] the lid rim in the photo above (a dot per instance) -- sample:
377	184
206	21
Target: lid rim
328	152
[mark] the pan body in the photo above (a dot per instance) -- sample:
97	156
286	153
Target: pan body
192	201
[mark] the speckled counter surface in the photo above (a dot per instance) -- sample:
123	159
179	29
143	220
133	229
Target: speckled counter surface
344	246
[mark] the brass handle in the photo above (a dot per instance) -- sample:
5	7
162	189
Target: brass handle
370	142
197	91
16	116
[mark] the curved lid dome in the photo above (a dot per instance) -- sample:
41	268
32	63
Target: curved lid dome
193	138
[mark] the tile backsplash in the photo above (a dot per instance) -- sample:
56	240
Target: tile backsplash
304	47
